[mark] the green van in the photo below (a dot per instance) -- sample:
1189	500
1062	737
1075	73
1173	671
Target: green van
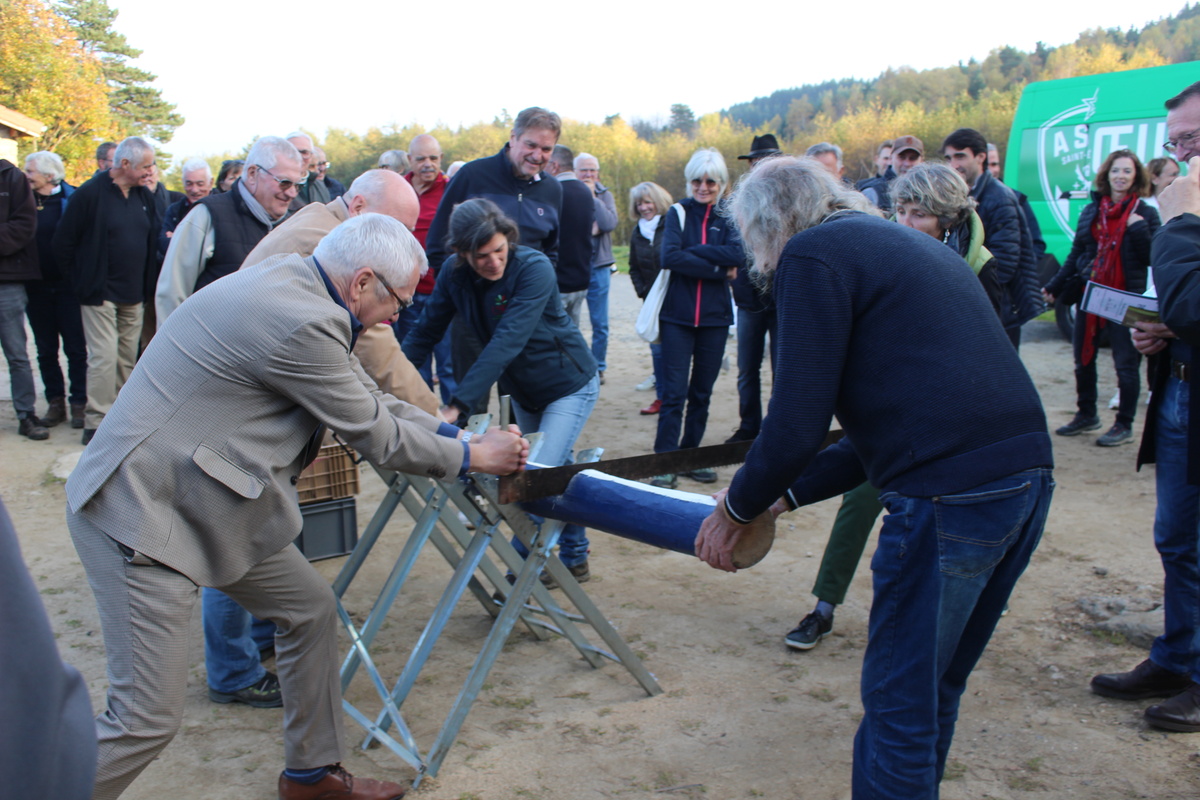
1064	129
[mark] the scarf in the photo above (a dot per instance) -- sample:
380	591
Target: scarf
1112	220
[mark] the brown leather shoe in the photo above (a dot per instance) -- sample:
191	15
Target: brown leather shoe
1145	680
1180	713
340	785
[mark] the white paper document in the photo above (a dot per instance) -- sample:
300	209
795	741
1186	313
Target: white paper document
1121	307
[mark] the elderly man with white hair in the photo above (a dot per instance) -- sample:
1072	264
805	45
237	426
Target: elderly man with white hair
311	190
964	466
214	238
191	482
197	185
105	244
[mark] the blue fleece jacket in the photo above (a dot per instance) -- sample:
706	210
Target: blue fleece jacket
881	326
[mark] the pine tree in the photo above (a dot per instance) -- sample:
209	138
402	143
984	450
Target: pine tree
137	107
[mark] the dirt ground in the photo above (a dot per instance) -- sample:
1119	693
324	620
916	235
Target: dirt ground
741	716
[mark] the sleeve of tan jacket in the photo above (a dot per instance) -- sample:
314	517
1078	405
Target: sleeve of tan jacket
377	349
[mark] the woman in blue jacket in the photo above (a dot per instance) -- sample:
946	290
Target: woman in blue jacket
507	296
703	251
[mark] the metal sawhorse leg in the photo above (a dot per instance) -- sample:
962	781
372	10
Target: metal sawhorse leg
434	507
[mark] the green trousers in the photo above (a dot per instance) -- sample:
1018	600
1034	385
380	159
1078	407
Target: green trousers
847	539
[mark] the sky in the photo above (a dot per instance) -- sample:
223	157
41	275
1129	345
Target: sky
274	68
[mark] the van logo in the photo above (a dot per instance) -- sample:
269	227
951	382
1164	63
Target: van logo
1070	149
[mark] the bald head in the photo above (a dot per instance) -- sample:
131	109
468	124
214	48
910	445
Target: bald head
425	161
381	191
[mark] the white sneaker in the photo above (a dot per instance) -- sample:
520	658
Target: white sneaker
645	385
1116	401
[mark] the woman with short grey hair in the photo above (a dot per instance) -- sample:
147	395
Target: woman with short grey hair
701	247
934	199
53	310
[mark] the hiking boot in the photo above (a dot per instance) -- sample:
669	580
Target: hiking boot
264	694
77	410
32	428
811	630
1079	425
1118	434
57	413
701	475
580	572
667	481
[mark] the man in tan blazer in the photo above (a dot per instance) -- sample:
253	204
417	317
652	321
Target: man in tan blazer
190	482
377	191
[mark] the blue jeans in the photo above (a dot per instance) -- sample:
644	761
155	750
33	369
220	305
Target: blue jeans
943	570
656	362
13	342
560	423
597	300
1177	536
232	639
441	351
54	315
753	328
691	362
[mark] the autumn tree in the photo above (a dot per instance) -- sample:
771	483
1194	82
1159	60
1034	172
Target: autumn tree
46	74
137	107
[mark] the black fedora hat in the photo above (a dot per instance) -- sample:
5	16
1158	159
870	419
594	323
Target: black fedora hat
763	146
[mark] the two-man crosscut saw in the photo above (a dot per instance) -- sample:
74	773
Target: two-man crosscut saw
547	482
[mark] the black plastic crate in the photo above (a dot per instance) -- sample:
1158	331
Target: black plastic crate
330	528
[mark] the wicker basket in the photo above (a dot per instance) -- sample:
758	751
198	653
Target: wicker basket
333	475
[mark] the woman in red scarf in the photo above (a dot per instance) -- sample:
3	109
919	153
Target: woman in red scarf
1112	247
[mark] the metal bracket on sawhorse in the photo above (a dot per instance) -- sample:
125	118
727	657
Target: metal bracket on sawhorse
434	507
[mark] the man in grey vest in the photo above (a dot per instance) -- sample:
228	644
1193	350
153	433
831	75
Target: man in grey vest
216	235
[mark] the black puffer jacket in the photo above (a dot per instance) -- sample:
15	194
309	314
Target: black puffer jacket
1135	252
1007	236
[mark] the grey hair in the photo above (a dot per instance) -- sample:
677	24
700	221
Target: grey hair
992	147
267	151
821	148
781	197
372	186
193	164
105	150
581	157
537	117
939	190
710	162
395	160
300	135
375	241
133	150
47	163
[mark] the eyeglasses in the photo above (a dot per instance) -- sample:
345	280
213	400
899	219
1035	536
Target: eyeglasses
1173	145
284	184
706	182
325	164
401	303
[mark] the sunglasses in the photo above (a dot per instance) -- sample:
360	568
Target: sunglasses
284	184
